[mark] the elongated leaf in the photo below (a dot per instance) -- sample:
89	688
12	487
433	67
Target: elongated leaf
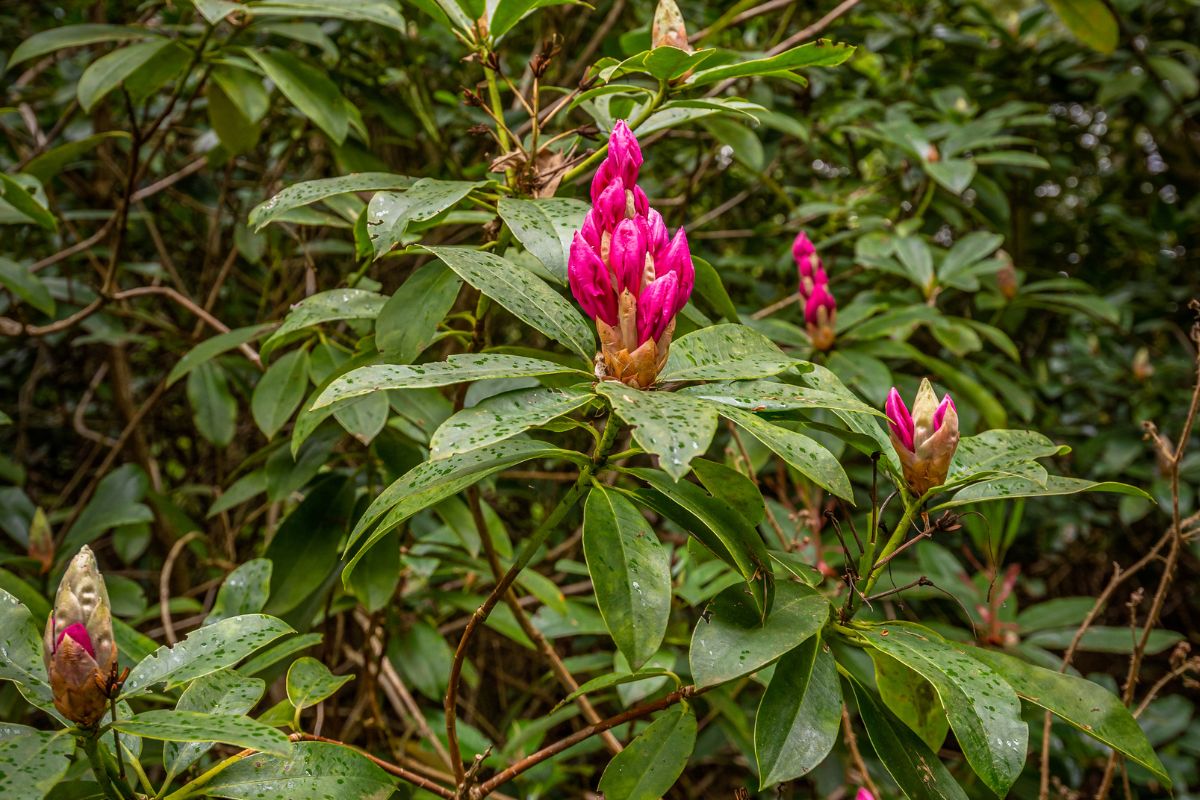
1087	706
1090	21
389	214
22	650
244	591
108	72
279	391
522	293
313	771
674	427
222	692
214	410
456	369
433	481
204	651
277	652
57	38
613	679
502	416
998	451
1003	488
26	286
911	698
213	347
377	11
408	321
544	226
983	710
198	726
309	89
954	174
631	573
808	457
734	640
1103	639
302	194
799	715
335	304
309	682
117	502
724	352
17	195
914	254
31	763
917	770
773	396
652	762
821	53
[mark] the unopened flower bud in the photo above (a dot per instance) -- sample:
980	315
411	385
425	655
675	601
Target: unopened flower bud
808	264
668	29
1143	370
820	315
41	541
1006	276
925	440
79	650
863	794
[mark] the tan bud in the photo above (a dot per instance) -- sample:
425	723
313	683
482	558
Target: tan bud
79	650
41	541
668	29
1006	276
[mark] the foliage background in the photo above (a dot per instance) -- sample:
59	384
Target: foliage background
1098	212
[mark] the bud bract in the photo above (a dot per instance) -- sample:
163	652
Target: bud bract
926	439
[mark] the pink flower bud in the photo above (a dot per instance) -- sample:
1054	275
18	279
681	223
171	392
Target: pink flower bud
863	794
939	415
590	282
925	441
808	264
820	299
622	162
78	632
627	256
655	231
610	205
677	258
591	230
899	419
656	306
641	204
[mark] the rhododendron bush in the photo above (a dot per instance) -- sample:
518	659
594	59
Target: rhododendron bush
526	399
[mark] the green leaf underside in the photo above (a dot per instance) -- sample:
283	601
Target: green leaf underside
502	416
309	682
313	771
198	726
735	641
652	762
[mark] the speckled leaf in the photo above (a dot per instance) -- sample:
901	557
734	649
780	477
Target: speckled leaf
674	427
652	762
917	770
363	417
724	352
21	649
774	396
998	450
825	380
309	682
717	525
390	213
1088	706
804	454
204	651
631	574
212	347
433	481
799	715
198	726
222	692
313	771
911	698
502	416
545	227
1002	488
733	640
244	591
335	304
277	652
523	294
308	192
456	369
821	53
983	710
32	763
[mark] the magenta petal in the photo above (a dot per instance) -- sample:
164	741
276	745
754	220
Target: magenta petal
625	151
590	283
679	261
627	255
656	306
820	298
802	246
611	205
641	204
591	228
899	419
940	413
655	231
79	634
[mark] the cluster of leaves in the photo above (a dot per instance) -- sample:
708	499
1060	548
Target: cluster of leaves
320	341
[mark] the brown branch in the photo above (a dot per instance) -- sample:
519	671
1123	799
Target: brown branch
387	766
164	584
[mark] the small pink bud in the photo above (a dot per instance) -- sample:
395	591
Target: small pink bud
940	414
925	441
821	298
656	306
863	794
899	419
678	259
590	282
627	256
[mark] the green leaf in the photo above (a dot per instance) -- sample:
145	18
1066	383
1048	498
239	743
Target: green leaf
821	53
222	692
983	710
724	352
198	726
303	551
15	194
26	286
329	306
1012	158
799	715
32	763
433	481
746	146
805	455
22	647
456	369
57	38
56	159
313	771
966	253
1085	705
631	574
364	417
734	640
214	411
117	502
774	396
306	193
1003	488
523	294
1090	21
408	322
614	679
233	127
674	427
954	174
277	652
279	391
389	214
309	682
710	287
307	88
507	13
108	72
213	347
377	11
504	415
545	227
911	698
244	591
917	770
914	254
652	762
204	651
998	451
1103	639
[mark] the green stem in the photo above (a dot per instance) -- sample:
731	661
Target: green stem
642	116
501	130
100	770
869	578
196	784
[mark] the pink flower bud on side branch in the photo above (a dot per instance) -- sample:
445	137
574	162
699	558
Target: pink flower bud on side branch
820	307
